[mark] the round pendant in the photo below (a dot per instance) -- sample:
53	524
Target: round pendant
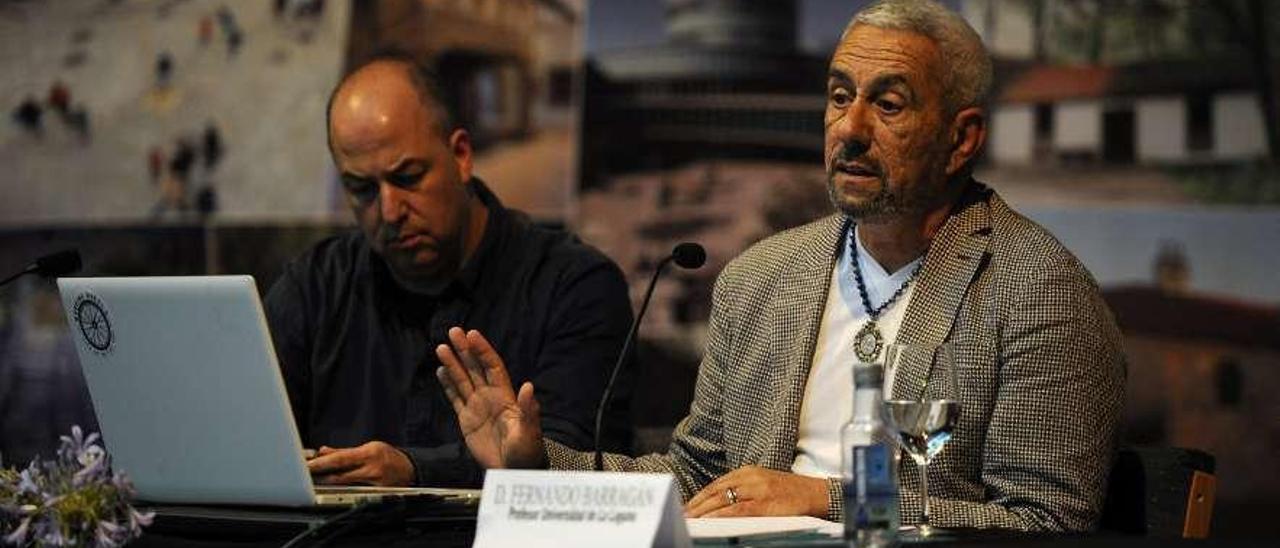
867	343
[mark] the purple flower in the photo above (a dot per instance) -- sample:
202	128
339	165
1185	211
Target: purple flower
82	469
75	441
27	481
92	455
110	535
78	448
19	535
122	484
94	471
138	520
47	533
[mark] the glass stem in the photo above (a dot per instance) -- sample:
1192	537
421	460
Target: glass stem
924	496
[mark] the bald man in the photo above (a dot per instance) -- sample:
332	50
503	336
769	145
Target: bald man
356	317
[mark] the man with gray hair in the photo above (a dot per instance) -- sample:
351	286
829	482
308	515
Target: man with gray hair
917	253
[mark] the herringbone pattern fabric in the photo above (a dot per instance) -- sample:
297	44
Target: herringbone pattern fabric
1038	357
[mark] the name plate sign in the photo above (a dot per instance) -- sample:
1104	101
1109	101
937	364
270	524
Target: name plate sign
534	508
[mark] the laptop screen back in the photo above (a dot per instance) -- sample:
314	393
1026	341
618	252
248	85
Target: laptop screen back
186	388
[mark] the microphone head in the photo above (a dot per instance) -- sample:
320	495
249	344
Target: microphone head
57	264
689	255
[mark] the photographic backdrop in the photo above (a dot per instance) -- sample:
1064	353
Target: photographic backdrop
187	137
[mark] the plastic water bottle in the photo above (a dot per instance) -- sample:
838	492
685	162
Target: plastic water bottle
869	465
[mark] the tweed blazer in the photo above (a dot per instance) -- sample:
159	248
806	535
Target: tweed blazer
1037	352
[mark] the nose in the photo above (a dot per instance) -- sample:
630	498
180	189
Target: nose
391	204
853	130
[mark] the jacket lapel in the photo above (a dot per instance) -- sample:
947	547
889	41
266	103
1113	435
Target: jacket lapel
798	309
954	258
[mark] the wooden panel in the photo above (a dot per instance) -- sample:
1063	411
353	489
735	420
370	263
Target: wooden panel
1199	505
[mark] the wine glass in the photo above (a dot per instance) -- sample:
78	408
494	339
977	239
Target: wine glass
924	425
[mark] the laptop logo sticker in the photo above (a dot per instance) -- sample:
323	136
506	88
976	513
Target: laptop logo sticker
94	323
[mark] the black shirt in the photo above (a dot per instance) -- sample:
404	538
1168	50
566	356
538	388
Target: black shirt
357	351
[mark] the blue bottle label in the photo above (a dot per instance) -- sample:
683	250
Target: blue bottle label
871	499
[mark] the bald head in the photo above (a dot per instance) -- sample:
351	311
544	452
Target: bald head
387	86
406	173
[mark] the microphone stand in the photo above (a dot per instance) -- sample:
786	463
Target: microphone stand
20	273
622	357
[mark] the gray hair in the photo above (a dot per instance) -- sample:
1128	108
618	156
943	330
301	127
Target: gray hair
967	66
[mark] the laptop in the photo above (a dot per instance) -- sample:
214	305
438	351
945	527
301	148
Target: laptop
189	397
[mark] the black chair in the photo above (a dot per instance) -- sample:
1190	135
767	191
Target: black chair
1161	492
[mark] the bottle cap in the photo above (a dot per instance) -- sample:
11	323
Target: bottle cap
868	375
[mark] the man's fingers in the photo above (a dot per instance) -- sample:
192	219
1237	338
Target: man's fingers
529	407
493	369
715	488
325	480
699	499
714	495
450	393
357	476
457	375
736	510
462	346
457	337
703	506
333	461
366	464
697	502
711	498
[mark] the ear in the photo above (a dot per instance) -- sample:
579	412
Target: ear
460	147
968	133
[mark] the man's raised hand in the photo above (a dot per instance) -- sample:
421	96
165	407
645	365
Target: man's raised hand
501	427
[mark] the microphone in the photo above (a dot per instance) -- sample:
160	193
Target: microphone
57	264
686	255
53	265
689	255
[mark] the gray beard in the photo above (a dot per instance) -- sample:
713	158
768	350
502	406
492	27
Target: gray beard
885	204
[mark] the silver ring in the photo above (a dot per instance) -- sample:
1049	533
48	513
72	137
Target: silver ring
731	495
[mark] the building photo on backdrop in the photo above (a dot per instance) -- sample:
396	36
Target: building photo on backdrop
171	137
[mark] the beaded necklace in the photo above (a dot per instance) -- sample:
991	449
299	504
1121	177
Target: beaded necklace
868	343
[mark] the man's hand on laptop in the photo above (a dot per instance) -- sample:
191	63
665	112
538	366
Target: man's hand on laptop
374	463
501	428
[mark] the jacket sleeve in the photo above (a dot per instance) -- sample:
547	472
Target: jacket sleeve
1060	386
